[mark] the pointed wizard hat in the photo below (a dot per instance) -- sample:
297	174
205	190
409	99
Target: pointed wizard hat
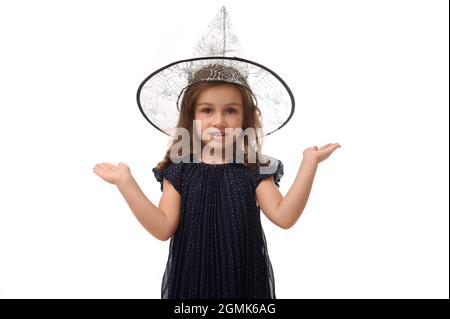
217	56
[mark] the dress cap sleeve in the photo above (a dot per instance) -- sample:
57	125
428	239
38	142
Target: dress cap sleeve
275	169
172	173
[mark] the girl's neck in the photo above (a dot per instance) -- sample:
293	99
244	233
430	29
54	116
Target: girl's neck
218	157
211	159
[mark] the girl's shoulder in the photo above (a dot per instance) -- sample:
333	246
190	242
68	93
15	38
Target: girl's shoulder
173	172
271	167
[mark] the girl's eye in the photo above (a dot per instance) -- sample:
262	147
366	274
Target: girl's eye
209	111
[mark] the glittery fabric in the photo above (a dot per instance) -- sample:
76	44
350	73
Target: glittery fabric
219	249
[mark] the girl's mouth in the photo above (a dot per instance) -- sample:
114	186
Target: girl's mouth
217	134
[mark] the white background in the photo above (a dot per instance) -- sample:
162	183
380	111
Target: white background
370	75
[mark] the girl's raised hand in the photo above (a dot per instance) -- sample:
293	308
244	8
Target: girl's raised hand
112	173
318	155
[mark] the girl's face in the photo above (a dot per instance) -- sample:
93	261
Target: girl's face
218	108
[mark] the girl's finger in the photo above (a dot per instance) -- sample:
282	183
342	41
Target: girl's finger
98	169
335	147
324	146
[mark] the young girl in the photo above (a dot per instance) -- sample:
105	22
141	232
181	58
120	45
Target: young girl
210	208
211	201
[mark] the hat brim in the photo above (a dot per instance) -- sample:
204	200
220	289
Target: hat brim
158	93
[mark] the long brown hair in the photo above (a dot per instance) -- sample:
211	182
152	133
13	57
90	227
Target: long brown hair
251	120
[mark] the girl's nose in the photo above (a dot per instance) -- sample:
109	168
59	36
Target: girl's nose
219	119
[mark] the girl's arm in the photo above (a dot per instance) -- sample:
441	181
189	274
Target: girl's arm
161	221
285	211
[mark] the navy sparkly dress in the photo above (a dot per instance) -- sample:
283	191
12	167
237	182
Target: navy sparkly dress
219	248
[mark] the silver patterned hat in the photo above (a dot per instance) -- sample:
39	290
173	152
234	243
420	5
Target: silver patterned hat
218	56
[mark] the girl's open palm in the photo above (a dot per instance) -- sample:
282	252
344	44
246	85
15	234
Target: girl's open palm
320	154
112	173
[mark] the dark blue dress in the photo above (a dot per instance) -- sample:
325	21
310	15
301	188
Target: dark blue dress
219	249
